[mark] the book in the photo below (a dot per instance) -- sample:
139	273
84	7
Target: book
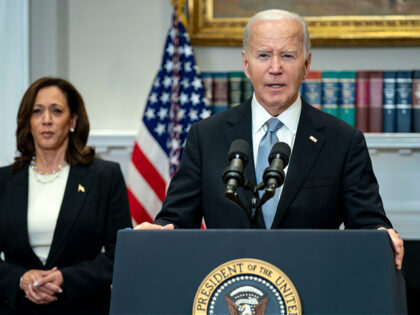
404	101
416	101
375	101
362	100
247	88
207	79
311	88
235	88
347	97
330	92
220	92
389	101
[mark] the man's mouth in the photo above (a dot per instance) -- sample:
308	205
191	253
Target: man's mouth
276	86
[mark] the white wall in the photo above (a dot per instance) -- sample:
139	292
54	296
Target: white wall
14	70
49	44
114	53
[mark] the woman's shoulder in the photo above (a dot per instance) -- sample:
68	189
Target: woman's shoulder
6	171
104	166
7	175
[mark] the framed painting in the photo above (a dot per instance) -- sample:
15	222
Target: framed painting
330	22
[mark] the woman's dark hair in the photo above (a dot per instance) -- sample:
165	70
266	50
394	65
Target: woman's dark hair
77	151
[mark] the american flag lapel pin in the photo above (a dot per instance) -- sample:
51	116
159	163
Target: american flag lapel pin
80	188
313	139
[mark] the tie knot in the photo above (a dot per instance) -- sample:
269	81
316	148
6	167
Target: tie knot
273	124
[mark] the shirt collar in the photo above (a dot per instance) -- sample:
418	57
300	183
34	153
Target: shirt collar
289	118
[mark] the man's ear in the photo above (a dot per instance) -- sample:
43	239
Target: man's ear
307	65
245	63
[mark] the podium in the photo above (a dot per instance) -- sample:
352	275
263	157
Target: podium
332	271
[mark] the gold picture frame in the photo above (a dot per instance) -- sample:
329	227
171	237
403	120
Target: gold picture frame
387	30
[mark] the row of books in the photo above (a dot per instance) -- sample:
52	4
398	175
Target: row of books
226	89
372	101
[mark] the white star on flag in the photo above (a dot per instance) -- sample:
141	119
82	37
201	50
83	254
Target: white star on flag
160	128
167	81
187	50
195	99
170	49
168	66
164	98
153	98
197	83
149	113
163	112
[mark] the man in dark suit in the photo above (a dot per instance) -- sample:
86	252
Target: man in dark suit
329	181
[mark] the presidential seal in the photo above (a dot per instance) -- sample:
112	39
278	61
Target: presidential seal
248	287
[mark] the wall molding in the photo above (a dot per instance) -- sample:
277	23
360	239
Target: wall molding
106	141
376	141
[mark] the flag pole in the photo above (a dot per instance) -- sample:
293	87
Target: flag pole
179	9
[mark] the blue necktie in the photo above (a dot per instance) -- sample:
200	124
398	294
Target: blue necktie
268	140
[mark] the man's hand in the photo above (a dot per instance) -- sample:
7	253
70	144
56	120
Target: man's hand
150	226
398	245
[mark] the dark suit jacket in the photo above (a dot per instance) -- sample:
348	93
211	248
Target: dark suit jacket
87	222
328	182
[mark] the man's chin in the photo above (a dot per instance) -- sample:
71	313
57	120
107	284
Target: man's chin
275	108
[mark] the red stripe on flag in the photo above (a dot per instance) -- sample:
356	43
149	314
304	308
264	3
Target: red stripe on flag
149	172
138	213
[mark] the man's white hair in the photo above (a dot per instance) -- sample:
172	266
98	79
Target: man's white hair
277	15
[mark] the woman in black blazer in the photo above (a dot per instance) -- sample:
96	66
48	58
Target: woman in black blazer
60	210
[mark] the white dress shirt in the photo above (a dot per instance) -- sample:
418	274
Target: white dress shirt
44	203
287	133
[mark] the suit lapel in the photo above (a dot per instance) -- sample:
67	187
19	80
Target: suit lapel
17	192
78	185
238	127
305	152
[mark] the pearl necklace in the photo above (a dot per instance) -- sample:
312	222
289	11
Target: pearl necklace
46	178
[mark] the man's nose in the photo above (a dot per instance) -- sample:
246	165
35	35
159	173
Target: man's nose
276	65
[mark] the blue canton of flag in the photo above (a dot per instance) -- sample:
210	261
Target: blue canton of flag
177	99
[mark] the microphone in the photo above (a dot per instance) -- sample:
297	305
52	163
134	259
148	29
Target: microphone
278	159
233	175
273	176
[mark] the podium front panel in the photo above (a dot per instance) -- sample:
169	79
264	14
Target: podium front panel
334	272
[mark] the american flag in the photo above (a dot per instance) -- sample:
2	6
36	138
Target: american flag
175	101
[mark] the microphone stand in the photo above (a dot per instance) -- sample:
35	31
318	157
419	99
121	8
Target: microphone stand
254	210
232	194
257	202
